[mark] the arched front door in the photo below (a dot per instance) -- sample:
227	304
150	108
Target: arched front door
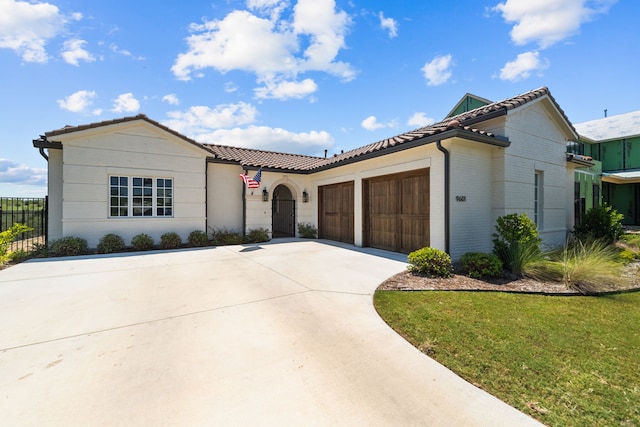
283	213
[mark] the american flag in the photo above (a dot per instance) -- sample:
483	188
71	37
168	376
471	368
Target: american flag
252	182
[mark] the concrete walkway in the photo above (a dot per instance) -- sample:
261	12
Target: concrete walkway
283	333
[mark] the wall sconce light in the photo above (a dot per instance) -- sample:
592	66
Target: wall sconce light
305	196
265	195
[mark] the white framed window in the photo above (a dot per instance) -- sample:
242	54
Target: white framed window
140	197
537	198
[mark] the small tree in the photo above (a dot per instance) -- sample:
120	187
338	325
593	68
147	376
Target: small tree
516	241
600	223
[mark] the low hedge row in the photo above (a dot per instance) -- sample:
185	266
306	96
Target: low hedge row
113	243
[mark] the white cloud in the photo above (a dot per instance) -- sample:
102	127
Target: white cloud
309	40
200	119
226	124
372	123
273	8
438	71
547	22
74	52
419	120
171	99
124	52
389	24
286	90
77	102
268	138
230	87
15	173
522	67
26	27
230	44
125	103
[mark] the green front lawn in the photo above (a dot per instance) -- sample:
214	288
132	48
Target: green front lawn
566	361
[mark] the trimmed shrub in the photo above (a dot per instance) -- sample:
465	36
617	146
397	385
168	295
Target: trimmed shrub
258	235
40	250
198	239
625	256
170	240
480	265
431	262
8	236
307	230
68	246
142	242
222	237
601	222
18	256
110	243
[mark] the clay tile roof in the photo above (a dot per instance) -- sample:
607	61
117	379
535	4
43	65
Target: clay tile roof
293	162
266	159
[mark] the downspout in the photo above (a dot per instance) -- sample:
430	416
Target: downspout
447	201
206	197
42	153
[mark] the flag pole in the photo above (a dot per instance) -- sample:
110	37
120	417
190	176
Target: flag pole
244	207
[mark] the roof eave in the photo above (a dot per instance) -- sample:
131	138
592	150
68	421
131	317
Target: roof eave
497	141
43	143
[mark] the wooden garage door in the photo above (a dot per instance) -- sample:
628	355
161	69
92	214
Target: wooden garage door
336	212
396	211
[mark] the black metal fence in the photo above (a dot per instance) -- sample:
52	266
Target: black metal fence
29	211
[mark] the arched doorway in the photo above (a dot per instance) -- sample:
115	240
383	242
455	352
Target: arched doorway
283	212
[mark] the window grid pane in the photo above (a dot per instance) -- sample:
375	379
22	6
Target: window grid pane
118	200
164	199
140	197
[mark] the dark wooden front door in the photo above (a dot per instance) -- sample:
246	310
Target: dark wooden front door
283	213
396	211
336	212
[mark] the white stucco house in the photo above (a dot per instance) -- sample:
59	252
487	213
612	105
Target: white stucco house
443	185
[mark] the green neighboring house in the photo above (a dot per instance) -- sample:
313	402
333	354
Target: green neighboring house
614	143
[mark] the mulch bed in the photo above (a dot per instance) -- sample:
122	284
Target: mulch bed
407	281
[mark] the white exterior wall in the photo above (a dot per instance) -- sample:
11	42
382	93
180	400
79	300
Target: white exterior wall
471	218
129	149
224	197
538	143
54	184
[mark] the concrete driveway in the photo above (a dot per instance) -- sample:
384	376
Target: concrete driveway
282	333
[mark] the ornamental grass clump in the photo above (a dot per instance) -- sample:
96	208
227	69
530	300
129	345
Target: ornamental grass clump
430	262
591	267
479	265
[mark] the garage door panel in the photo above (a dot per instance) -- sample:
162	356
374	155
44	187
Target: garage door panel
396	211
414	230
336	212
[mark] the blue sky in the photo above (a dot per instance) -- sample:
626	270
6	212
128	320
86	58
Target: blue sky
298	76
